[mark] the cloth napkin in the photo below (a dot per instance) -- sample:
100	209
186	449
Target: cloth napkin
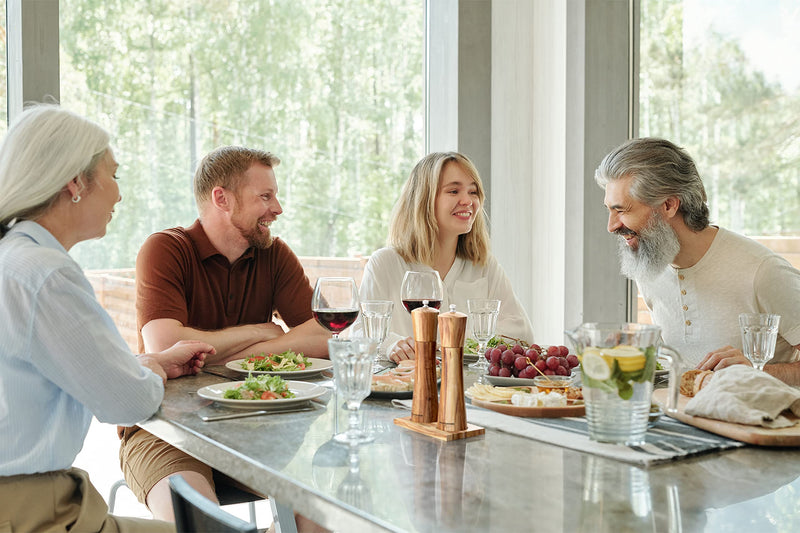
744	395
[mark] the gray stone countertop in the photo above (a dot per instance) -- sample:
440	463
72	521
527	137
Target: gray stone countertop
496	482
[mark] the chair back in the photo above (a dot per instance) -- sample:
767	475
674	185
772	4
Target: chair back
194	513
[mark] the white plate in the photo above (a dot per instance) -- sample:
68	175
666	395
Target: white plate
303	391
317	366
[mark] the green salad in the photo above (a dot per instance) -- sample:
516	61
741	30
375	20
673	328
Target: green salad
260	388
284	362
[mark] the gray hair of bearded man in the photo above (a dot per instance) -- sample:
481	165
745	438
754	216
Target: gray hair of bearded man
660	170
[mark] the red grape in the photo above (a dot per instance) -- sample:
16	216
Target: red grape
508	357
524	374
564	351
562	371
504	373
532	354
536	347
488	354
553	350
541	365
563	362
553	362
496	354
549	372
517	349
502	347
573	361
521	362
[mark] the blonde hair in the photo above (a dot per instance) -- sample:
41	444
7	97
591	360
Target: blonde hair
225	167
413	228
44	149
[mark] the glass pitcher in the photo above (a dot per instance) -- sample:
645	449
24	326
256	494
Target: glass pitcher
618	362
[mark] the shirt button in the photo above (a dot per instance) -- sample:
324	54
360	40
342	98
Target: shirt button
685	307
688	322
680	277
683	291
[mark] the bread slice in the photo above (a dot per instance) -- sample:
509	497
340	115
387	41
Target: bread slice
694	380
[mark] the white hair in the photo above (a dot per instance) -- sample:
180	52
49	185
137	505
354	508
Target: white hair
44	149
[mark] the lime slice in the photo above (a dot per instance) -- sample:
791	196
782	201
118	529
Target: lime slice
594	366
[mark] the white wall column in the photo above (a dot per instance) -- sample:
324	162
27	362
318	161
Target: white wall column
560	101
32	49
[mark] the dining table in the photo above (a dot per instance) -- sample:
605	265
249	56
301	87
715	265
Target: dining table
497	481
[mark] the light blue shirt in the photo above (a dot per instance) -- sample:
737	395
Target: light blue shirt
62	359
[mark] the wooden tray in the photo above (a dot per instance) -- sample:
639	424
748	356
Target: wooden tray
760	436
574	409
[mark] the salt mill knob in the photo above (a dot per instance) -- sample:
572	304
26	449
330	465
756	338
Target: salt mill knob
425	402
452	408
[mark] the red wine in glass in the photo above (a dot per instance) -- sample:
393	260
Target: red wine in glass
419	287
410	305
334	303
335	320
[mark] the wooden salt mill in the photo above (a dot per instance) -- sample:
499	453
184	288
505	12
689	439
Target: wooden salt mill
452	410
425	402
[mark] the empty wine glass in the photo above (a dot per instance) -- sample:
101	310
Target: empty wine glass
352	377
376	316
483	314
759	335
335	303
421	288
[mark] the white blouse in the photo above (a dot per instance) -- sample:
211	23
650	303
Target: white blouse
384	274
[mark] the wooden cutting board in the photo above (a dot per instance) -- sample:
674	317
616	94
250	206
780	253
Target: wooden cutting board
760	436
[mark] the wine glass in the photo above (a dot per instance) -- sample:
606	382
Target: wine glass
421	288
335	303
352	377
759	335
376	316
483	315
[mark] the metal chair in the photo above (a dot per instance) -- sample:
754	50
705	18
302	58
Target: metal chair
196	513
227	494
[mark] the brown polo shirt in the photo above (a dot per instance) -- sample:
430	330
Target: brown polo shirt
180	275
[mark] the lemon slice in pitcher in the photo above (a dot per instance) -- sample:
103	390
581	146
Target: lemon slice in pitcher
629	358
594	366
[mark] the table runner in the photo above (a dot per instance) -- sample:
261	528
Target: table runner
668	440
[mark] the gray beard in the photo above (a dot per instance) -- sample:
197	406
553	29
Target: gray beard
658	246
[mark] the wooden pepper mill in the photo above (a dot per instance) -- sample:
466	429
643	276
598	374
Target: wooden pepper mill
425	402
452	410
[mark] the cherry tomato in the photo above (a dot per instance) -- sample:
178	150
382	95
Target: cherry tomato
268	395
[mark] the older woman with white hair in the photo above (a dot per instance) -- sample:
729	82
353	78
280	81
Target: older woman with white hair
63	359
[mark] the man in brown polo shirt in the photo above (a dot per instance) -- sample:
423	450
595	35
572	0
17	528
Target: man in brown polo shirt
219	281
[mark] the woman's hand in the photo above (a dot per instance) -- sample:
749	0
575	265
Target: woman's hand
404	349
184	357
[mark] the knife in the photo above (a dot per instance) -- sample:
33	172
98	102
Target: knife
243	414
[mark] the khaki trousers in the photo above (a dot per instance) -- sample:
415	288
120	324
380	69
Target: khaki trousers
63	501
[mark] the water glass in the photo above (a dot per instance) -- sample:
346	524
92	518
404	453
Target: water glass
759	334
352	376
483	314
377	316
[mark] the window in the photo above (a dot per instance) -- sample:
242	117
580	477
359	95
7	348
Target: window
334	88
722	79
3	71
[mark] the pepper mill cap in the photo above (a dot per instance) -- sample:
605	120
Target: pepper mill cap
453	328
424	322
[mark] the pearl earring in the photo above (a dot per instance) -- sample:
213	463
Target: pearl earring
76	198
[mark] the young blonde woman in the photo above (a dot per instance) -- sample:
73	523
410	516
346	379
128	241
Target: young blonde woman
438	223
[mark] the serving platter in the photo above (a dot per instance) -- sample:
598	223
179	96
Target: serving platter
757	435
317	366
573	408
303	391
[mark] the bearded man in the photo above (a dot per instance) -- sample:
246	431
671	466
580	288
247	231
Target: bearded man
219	280
695	278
